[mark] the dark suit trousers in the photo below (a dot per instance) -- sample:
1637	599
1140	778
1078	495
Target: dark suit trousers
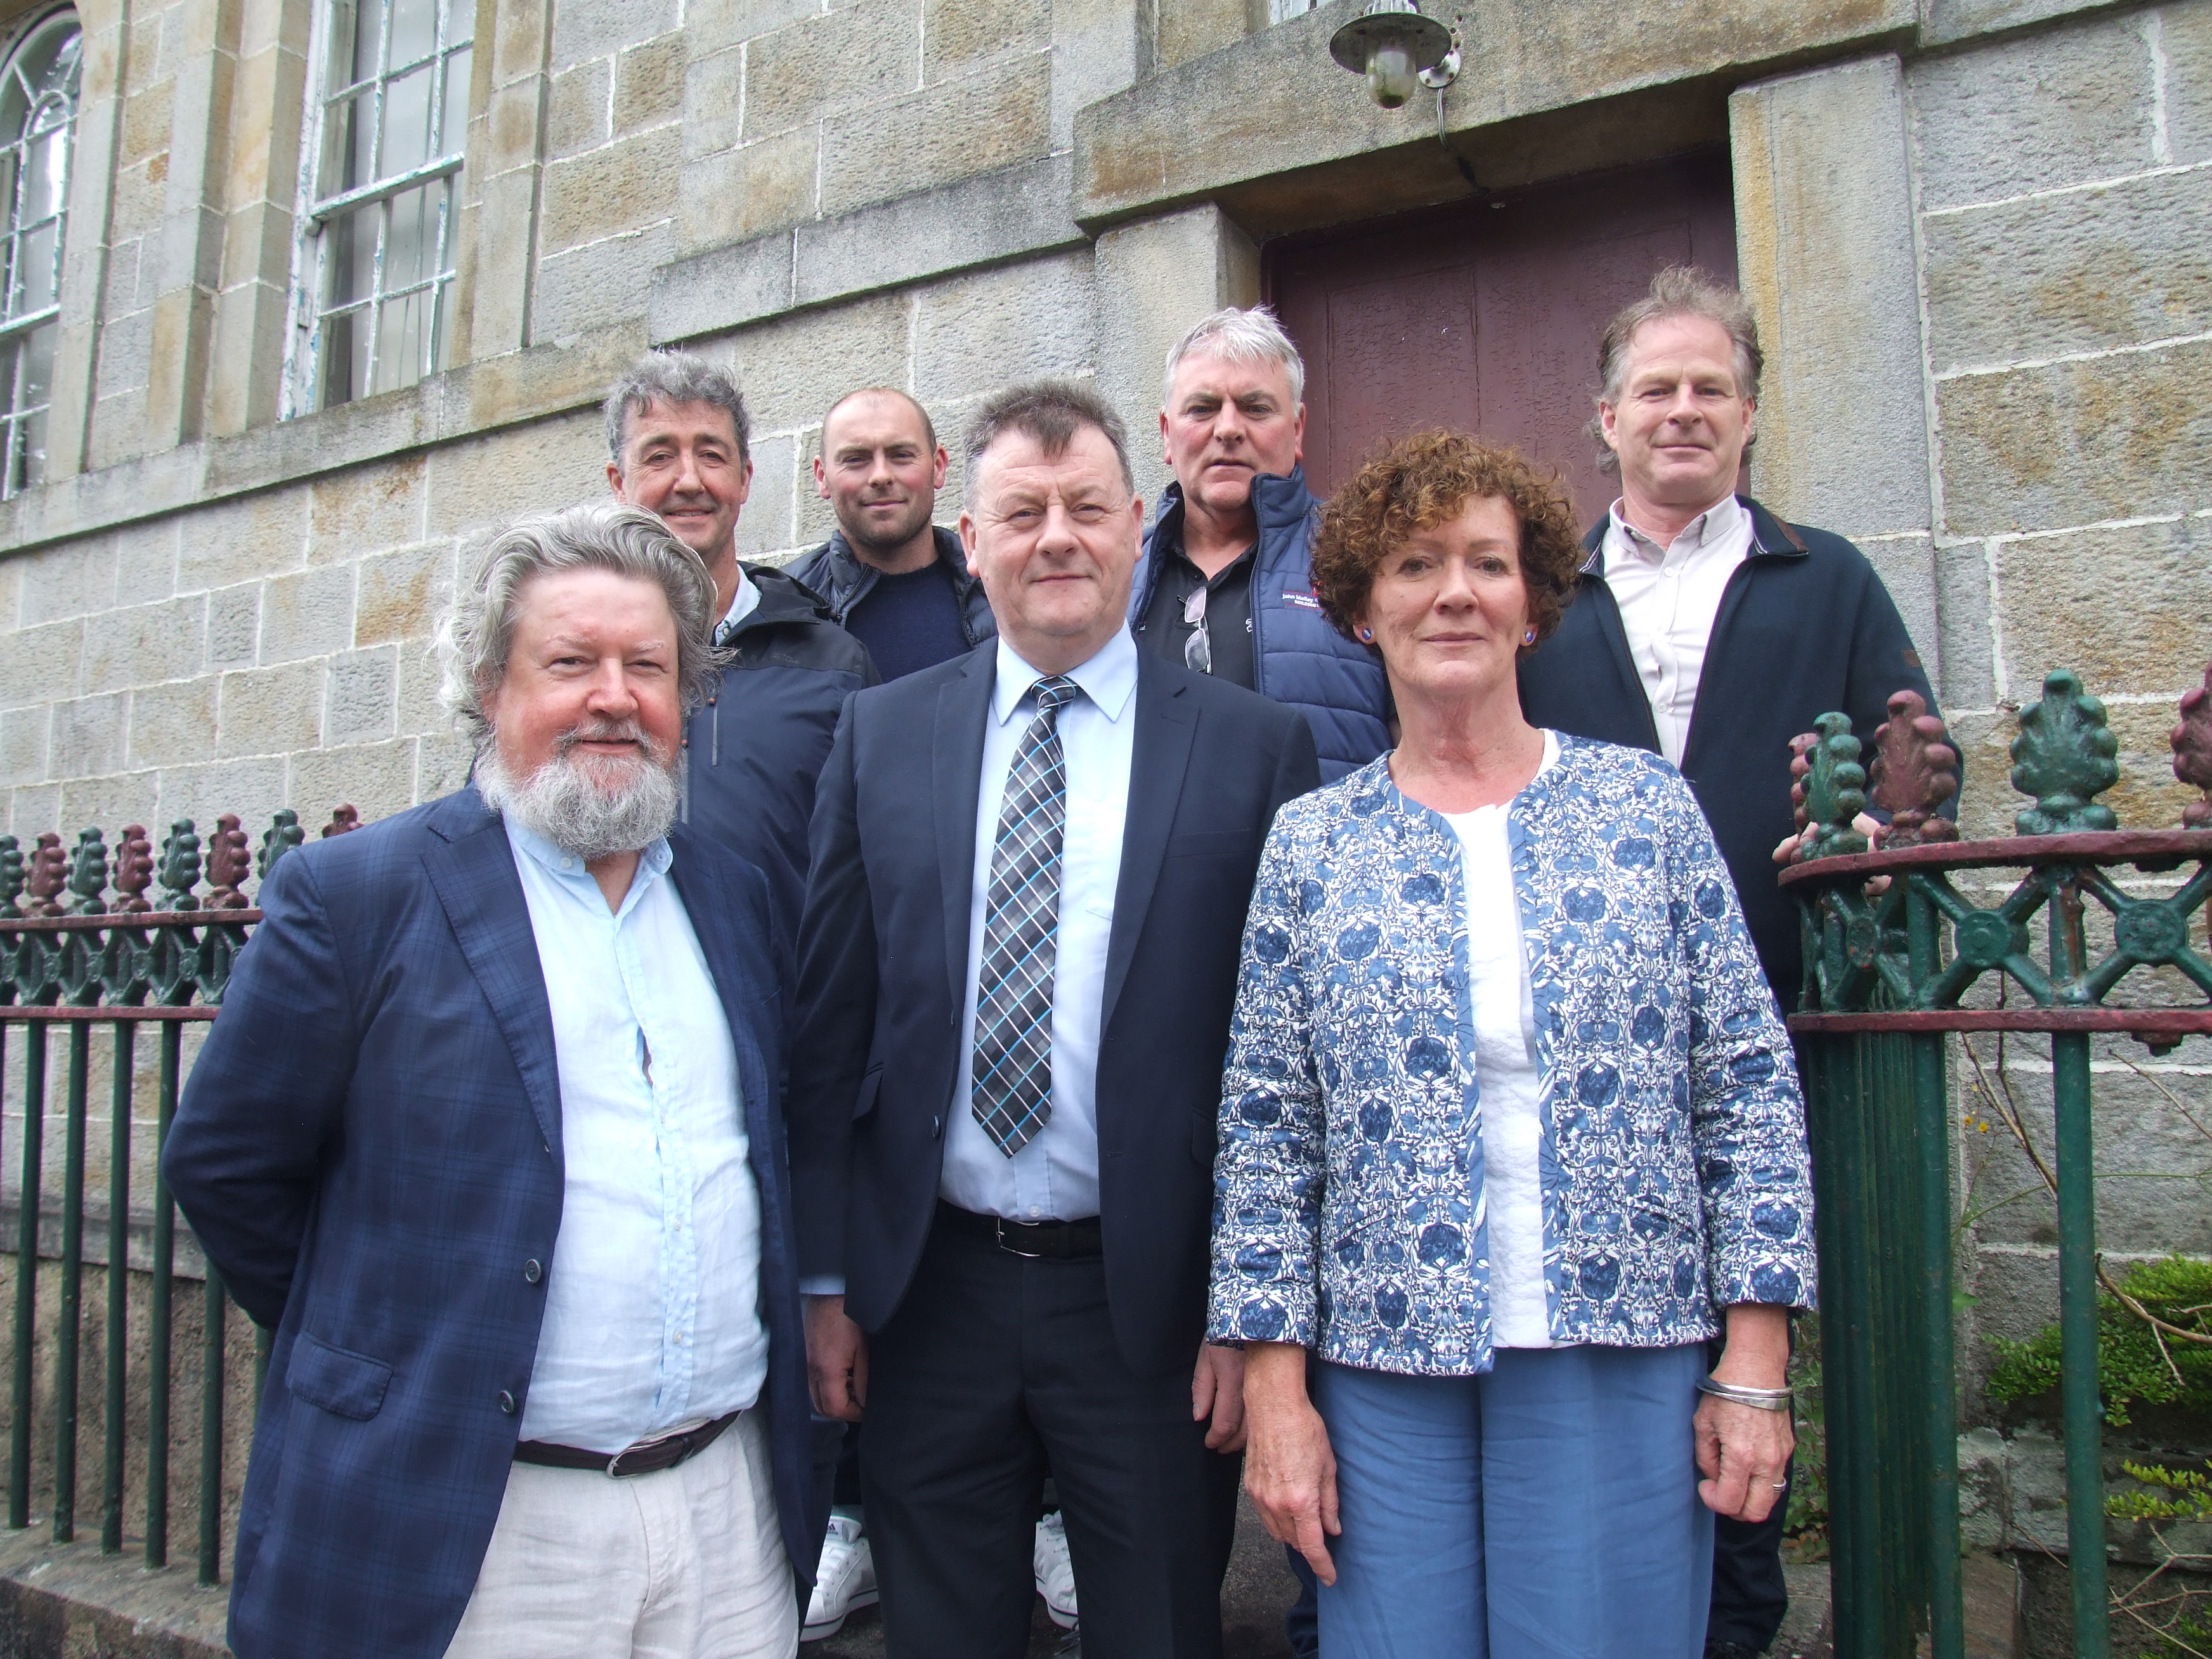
992	1366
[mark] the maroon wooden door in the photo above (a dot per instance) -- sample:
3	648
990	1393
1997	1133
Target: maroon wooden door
1485	316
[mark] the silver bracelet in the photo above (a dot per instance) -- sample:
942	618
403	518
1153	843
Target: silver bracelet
1762	1399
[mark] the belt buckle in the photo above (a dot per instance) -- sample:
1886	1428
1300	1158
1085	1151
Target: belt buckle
615	1470
999	1231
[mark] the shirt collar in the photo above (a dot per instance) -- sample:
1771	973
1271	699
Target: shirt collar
1724	518
566	869
742	604
1107	679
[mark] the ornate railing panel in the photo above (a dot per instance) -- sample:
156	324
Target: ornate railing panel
82	944
1893	951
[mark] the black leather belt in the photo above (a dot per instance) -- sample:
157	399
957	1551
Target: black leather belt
1056	1240
646	1457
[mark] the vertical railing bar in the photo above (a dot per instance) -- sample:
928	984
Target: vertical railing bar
263	1340
69	1328
1947	1629
2077	1328
26	1272
211	1372
158	1313
119	1284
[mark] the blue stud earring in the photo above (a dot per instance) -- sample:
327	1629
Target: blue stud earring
1528	638
1367	636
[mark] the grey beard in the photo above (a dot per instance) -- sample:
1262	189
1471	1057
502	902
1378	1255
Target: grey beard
563	803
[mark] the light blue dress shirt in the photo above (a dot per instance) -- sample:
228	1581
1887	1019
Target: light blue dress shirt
651	1313
1056	1175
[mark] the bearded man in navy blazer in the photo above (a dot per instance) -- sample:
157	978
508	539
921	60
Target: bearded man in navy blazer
1029	874
488	1132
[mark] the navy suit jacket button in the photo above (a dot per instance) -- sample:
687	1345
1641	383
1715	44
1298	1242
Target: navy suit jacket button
935	1125
506	1402
531	1271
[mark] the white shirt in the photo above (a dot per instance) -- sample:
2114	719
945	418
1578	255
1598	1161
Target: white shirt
652	1300
1056	1175
743	603
1511	1091
1669	598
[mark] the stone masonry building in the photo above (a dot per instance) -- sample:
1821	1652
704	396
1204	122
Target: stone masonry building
330	286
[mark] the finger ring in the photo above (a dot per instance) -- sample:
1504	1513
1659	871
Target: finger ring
1781	1486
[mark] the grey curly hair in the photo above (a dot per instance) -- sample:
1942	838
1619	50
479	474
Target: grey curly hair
478	632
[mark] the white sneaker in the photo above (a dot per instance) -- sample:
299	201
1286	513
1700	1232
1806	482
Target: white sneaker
1055	1573
846	1579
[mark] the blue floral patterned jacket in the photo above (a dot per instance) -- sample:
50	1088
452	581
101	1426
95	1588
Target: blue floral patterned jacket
1348	1185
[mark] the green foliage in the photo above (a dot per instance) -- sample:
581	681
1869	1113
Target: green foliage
2189	1637
2131	1365
2172	1495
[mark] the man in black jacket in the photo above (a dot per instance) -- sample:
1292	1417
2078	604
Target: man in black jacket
1707	630
898	583
676	445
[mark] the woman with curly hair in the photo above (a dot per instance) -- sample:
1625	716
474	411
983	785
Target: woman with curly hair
1510	1131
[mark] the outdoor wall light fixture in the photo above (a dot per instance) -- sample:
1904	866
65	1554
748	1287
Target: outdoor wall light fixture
1398	49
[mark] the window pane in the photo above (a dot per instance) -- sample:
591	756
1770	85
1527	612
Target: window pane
40	282
402	335
46	165
406	123
414	31
355	37
352	254
345	355
453	132
36	386
410	245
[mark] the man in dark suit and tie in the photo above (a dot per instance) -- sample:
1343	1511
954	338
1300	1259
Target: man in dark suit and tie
488	1134
1030	869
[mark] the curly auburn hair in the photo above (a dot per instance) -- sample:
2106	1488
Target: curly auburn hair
1426	480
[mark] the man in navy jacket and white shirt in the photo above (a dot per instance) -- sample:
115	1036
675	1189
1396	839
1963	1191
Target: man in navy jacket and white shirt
1030	871
488	1134
1707	630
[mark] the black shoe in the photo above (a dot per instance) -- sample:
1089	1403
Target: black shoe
1730	1650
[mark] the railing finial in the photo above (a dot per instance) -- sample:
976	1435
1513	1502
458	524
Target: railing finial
87	873
49	875
1915	770
134	871
2064	756
11	875
2192	751
283	835
181	868
1828	788
227	864
345	818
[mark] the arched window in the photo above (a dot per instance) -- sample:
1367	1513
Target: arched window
38	119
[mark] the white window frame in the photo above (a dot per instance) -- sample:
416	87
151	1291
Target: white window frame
313	262
16	326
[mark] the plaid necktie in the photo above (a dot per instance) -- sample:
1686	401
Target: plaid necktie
1013	1094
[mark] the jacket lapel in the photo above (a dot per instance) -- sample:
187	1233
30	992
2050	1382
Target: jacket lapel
955	773
1165	728
473	874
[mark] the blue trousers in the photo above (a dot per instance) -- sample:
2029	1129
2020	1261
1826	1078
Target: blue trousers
1548	1509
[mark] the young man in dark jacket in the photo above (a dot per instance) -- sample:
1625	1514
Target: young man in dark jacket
677	443
1226	584
894	580
1707	630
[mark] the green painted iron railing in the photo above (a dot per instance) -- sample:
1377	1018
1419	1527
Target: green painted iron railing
1893	950
83	947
